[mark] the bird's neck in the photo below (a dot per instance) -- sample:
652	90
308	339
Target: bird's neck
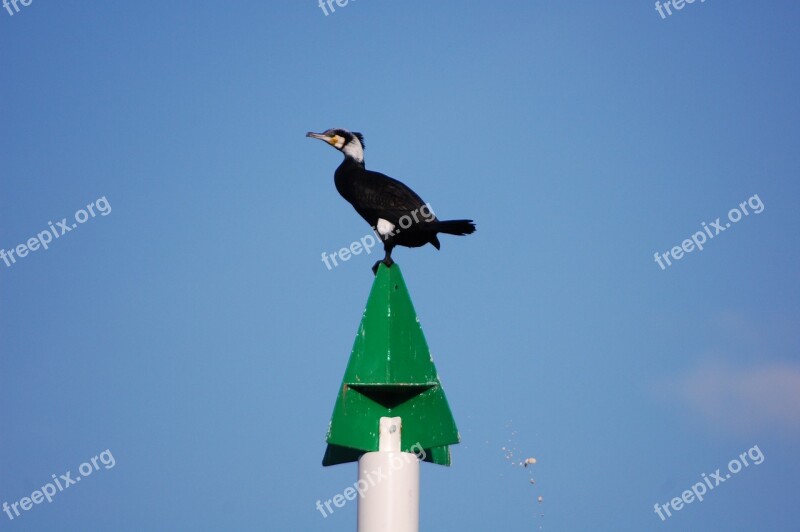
346	175
350	162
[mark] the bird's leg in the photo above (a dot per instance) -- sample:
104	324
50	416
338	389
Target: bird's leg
387	260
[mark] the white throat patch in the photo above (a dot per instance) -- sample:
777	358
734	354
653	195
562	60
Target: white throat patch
355	150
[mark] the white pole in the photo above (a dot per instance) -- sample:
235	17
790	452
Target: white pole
388	482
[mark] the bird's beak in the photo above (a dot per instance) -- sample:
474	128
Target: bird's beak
319	136
336	141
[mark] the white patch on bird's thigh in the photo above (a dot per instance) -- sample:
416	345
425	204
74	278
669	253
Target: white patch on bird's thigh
354	149
384	227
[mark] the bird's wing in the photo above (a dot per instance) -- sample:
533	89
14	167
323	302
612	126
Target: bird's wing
381	196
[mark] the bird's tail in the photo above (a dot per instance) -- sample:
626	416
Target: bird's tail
455	227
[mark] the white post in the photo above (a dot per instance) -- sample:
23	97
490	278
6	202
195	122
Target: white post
388	482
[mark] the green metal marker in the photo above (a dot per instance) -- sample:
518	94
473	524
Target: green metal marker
390	374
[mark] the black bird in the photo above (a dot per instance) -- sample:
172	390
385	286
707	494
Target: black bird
396	213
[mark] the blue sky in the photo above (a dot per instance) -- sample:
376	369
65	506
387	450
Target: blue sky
194	332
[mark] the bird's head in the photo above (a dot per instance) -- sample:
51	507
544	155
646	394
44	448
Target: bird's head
351	144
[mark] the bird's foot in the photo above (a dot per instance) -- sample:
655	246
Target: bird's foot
388	262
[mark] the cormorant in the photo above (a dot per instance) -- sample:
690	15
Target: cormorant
395	212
